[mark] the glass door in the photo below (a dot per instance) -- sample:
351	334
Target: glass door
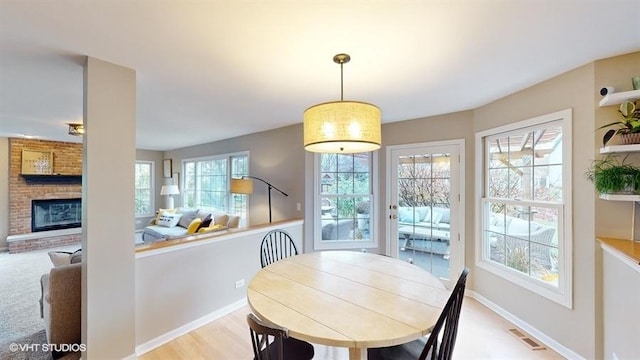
425	219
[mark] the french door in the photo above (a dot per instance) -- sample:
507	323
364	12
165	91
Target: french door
426	207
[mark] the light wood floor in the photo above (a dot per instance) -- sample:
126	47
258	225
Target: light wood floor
481	335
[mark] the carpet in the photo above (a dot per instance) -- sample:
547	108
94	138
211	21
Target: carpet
20	292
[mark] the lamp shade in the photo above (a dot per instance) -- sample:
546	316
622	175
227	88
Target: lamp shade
169	190
342	127
242	186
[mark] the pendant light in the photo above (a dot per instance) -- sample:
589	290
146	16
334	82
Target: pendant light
342	126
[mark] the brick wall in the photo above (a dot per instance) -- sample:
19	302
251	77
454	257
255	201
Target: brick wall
67	160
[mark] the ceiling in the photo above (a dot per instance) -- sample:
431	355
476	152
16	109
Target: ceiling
212	70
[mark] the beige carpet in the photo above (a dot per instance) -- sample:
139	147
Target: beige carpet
20	292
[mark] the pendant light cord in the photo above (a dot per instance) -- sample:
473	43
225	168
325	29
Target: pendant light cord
341	82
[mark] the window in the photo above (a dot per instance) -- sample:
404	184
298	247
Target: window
207	181
144	188
525	204
344	201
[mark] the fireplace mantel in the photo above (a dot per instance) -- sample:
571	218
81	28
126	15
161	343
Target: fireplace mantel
52	179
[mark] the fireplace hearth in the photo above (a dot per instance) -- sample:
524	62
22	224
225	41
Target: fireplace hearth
56	214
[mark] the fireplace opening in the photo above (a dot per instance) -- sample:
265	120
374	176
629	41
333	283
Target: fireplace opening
56	214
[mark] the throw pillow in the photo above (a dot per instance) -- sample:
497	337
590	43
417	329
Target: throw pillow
162	212
169	220
60	258
205	222
193	226
221	219
187	217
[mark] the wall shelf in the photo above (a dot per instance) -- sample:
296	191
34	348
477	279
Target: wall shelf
52	179
612	149
619	98
619	197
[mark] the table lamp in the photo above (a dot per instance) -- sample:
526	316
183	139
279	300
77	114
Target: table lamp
169	190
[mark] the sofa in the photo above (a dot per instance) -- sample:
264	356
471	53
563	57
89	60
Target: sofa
431	223
175	223
61	301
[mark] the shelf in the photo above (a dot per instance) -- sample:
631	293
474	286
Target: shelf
619	98
617	197
52	179
620	149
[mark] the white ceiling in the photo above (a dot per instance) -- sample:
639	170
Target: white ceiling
211	70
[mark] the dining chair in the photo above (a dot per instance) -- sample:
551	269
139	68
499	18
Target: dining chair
272	342
276	245
437	346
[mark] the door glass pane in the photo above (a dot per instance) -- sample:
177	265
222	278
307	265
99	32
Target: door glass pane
423	215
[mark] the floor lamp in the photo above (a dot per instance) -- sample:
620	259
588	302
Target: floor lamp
244	185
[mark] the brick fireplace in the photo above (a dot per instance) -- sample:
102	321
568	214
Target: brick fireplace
67	160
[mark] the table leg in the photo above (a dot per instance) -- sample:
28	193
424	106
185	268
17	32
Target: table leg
357	354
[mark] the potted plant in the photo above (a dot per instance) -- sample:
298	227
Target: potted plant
628	128
613	177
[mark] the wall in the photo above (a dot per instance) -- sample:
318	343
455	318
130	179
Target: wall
573	328
67	160
614	219
172	299
4	192
277	156
452	126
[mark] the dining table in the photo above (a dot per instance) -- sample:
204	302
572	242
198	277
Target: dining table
349	299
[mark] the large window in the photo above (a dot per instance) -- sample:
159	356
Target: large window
344	201
144	188
207	181
525	203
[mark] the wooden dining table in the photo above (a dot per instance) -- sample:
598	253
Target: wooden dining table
348	299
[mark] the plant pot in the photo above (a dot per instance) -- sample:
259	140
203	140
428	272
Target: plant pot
626	139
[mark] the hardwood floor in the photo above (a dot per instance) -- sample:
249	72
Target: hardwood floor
481	335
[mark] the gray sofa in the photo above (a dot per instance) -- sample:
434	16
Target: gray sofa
183	224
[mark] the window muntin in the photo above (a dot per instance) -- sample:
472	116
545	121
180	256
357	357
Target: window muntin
207	182
525	235
144	188
345	201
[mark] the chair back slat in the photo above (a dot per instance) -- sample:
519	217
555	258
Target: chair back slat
276	245
264	337
440	346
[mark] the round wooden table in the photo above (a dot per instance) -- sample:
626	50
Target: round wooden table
348	299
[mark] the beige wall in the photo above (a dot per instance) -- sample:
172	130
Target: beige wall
4	192
108	263
573	328
277	156
614	219
452	126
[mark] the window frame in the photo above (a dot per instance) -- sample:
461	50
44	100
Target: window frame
320	244
562	294
151	188
229	197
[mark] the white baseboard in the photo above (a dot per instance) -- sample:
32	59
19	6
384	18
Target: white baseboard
548	341
173	334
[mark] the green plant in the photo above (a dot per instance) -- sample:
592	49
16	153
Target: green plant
611	176
629	124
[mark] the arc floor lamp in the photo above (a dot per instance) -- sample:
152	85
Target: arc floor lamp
244	185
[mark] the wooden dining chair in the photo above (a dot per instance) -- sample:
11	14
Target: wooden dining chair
277	244
437	346
272	342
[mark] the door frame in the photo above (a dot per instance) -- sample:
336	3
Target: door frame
457	242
